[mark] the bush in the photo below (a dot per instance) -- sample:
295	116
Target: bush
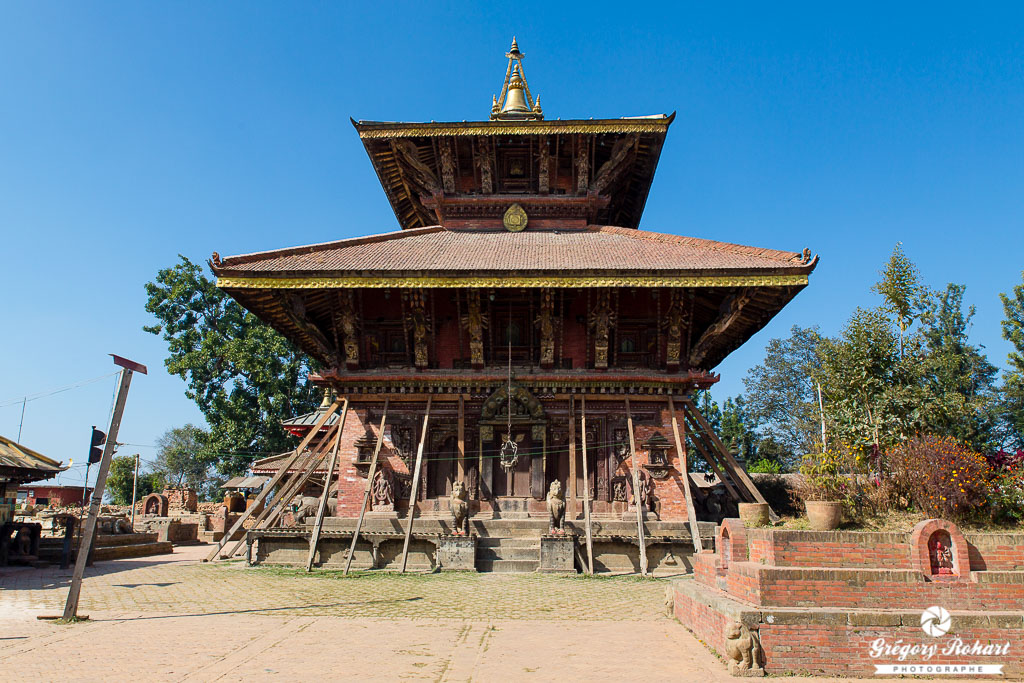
1006	488
940	476
765	466
823	478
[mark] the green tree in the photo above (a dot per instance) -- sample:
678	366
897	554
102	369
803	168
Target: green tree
244	376
736	429
1011	404
957	379
120	478
781	395
901	288
871	394
182	458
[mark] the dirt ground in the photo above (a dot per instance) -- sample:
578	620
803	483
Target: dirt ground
171	617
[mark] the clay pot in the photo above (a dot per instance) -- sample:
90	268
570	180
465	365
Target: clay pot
754	514
824	515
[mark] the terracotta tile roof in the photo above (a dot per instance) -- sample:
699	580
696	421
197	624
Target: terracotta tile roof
457	250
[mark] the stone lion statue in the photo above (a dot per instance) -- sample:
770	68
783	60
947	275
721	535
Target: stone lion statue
460	509
556	507
742	649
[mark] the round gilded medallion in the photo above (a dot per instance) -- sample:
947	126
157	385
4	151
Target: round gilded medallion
515	218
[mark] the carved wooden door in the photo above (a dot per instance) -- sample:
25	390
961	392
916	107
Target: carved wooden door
441	469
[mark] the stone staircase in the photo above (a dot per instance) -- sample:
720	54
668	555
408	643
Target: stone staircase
108	547
509	555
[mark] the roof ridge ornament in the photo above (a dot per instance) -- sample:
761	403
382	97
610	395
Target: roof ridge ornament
515	102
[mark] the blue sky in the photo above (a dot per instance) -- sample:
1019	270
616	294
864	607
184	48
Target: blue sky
131	132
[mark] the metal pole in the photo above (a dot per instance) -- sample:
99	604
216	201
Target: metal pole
821	409
135	488
71	607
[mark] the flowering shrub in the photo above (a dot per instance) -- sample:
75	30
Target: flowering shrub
940	476
1006	488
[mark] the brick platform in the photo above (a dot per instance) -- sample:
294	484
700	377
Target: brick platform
819	602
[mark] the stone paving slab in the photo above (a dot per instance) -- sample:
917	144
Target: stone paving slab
173	618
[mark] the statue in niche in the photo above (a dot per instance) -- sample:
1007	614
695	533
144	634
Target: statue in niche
940	553
620	439
601	320
546	323
742	649
348	324
382	493
459	509
419	323
475	323
619	490
556	508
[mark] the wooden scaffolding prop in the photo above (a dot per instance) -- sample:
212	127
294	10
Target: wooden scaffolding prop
274	481
415	485
586	478
369	487
684	466
637	498
275	508
314	536
718	457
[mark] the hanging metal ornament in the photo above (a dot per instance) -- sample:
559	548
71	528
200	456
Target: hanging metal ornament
508	456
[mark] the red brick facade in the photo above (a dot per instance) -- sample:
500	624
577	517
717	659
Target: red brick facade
819	601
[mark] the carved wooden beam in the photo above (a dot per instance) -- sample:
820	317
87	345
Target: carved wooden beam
294	310
447	165
623	151
485	162
728	313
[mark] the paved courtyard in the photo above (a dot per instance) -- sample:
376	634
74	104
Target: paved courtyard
173	618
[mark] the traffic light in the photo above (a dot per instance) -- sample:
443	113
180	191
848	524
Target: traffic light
95	452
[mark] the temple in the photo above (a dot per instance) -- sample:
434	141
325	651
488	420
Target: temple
518	330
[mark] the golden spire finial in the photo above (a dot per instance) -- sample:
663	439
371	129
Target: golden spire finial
515	101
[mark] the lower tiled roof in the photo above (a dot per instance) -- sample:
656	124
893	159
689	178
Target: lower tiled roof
455	250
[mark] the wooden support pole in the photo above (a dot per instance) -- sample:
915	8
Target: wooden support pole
741	475
572	457
636	492
462	438
586	487
89	531
274	480
369	487
691	513
314	536
415	486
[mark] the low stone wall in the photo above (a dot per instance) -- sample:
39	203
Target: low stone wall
839	603
841	642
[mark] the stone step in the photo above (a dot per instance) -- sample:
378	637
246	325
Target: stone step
137	550
507	566
531	554
505	542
